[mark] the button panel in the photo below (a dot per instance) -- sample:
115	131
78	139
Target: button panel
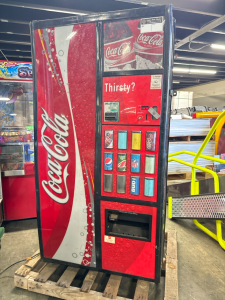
131	158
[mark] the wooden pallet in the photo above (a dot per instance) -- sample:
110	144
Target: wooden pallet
66	282
189	138
187	175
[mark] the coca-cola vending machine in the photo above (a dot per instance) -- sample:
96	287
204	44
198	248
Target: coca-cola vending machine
102	109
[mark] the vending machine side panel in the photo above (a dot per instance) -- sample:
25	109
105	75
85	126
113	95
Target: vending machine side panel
65	139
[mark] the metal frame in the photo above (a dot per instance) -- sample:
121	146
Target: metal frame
99	20
195	184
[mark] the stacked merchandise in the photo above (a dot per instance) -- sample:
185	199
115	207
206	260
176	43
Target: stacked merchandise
182	99
193	127
175	167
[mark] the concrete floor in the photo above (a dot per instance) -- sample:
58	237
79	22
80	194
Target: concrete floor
201	266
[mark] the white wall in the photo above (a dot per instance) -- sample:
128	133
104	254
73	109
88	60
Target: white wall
209	94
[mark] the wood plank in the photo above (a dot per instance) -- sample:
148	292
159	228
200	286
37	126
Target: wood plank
46	272
88	281
67	277
142	289
21	282
23	271
171	284
50	288
33	261
112	287
98	279
39	266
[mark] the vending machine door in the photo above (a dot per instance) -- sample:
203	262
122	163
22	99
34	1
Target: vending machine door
65	139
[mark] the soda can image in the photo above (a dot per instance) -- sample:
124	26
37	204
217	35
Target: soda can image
108	161
108	183
135	185
121	162
150	164
135	163
150	141
136	140
122	140
109	135
121	184
149	187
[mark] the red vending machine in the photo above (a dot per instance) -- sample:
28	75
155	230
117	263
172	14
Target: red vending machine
102	111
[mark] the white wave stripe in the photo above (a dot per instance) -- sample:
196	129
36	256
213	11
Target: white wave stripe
72	248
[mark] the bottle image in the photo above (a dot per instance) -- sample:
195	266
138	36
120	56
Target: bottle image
148	47
118	47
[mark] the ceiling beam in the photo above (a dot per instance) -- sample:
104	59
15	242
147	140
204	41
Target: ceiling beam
198	59
15	47
44	7
180	26
181	64
14	42
205	50
212	8
14	37
21	29
17	53
25	15
201	31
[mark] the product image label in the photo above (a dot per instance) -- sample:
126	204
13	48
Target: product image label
149	187
150	140
122	140
135	163
149	164
108	161
136	140
121	162
135	185
109	139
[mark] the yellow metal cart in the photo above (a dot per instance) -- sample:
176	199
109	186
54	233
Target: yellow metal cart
208	206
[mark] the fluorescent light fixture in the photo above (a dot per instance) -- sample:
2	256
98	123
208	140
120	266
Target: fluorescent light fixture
176	81
191	71
71	35
9	32
3	20
12	114
203	71
4	99
183	70
218	46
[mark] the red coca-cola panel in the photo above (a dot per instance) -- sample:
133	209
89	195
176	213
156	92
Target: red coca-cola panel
133	97
143	151
134	44
127	255
66	99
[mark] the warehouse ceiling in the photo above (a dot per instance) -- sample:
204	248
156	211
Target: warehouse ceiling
199	24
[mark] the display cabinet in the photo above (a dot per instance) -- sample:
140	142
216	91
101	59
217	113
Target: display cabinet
16	149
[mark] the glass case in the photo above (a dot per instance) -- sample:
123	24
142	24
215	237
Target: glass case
16	126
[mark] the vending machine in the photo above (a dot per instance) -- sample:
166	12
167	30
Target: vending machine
102	90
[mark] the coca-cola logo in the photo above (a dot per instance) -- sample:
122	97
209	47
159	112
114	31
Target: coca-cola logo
155	40
124	48
57	155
